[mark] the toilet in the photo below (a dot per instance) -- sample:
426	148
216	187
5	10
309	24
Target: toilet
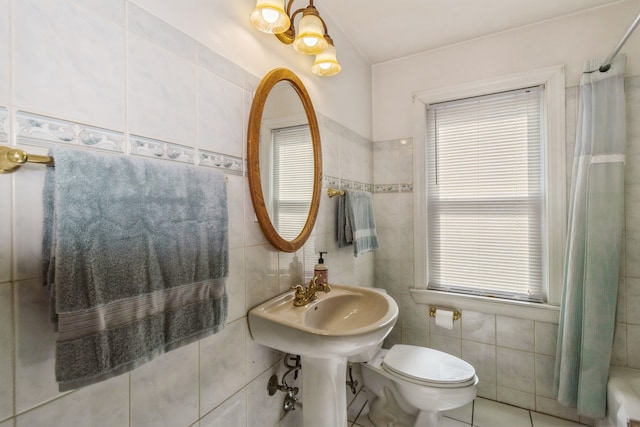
410	386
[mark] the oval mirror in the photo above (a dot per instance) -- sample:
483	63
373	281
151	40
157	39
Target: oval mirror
284	160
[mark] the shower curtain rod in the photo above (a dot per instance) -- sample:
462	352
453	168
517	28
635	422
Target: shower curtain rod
606	65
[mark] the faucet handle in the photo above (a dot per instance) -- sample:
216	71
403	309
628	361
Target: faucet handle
324	287
313	282
300	298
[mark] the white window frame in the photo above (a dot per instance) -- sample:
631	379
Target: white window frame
554	198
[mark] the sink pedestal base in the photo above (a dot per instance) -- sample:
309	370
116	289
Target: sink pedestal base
324	393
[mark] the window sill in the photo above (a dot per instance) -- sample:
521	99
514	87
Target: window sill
520	309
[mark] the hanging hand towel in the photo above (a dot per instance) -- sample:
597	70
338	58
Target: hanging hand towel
136	259
358	226
345	236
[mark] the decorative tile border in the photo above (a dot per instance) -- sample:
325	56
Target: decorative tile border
4	125
393	188
148	147
354	185
229	164
41	130
344	184
35	128
386	188
330	182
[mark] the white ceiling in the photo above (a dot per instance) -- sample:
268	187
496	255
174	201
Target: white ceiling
386	30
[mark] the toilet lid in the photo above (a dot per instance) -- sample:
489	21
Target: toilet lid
428	366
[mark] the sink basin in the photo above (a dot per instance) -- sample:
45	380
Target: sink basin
343	322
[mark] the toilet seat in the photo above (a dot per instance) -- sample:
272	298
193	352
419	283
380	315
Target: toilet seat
428	367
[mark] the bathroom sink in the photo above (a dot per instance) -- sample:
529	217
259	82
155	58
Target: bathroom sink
343	322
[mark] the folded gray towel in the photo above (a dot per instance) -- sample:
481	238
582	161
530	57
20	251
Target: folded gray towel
345	236
136	259
356	222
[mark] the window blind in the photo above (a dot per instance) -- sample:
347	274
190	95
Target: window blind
484	199
293	169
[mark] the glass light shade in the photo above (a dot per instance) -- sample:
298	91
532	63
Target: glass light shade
326	63
310	36
269	16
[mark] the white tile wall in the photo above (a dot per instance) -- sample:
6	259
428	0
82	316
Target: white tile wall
161	93
479	327
217	97
514	333
113	10
233	412
546	338
331	142
6	344
35	346
4	53
147	26
483	358
264	411
5	232
516	369
68	62
27	221
103	405
225	367
89	64
165	390
545	366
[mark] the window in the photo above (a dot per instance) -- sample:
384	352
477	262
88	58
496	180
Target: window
292	179
484	195
490	188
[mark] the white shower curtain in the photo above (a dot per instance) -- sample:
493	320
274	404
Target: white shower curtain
594	241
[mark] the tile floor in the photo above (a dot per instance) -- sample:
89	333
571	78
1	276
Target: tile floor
483	412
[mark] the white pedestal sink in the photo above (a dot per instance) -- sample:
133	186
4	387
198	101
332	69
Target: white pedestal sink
343	322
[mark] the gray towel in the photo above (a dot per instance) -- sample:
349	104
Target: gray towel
345	236
356	222
136	259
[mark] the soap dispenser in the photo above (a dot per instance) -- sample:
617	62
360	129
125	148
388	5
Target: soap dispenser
321	270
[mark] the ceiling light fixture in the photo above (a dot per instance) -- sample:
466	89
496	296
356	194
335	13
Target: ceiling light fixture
312	38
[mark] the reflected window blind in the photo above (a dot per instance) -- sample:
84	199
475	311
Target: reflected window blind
293	169
484	195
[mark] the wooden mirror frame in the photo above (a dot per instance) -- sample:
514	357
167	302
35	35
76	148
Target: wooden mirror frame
253	159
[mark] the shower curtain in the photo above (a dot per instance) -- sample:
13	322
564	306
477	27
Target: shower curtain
594	241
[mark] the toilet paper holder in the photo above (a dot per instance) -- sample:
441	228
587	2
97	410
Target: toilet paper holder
457	314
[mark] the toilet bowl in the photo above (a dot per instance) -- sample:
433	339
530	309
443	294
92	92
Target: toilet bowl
410	386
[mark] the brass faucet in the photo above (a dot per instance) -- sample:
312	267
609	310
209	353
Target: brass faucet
304	295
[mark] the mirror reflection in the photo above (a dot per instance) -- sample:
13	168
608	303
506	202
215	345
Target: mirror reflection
284	160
